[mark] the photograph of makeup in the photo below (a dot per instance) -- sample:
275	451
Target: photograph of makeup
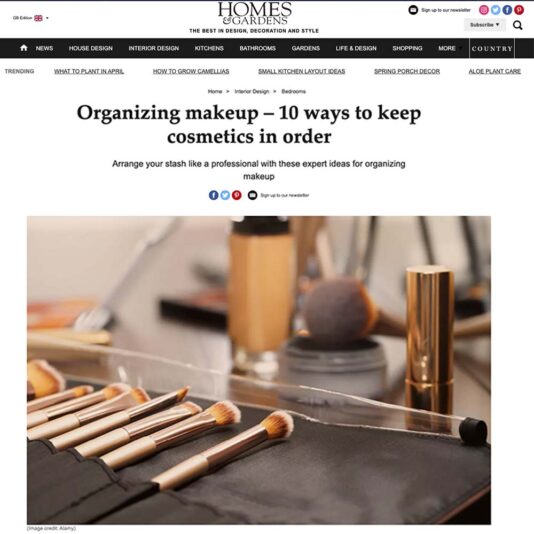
259	370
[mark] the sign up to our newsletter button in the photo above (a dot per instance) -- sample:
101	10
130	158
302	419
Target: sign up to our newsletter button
485	25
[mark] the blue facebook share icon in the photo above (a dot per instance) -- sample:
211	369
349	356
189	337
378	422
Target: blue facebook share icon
214	195
507	9
225	195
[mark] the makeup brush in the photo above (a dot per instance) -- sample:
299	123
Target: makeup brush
74	420
276	426
117	419
219	414
341	311
56	398
74	405
148	425
44	378
30	392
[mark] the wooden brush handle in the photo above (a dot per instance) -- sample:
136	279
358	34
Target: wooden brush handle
36	418
105	443
90	430
54	427
389	325
479	325
93	337
130	453
182	473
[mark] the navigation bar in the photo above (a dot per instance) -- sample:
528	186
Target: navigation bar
267	48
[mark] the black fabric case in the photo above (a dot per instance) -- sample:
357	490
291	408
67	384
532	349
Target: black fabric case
323	474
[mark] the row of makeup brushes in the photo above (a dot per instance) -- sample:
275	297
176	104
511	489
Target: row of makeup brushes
123	425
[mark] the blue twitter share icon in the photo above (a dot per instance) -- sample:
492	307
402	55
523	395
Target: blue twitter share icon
225	195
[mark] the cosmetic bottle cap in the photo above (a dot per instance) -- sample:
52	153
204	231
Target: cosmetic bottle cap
473	431
261	226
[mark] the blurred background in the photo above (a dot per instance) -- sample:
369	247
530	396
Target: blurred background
87	258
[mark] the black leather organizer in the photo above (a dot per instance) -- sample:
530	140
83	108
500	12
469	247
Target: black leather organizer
323	474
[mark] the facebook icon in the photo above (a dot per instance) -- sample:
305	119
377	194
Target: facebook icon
214	195
507	9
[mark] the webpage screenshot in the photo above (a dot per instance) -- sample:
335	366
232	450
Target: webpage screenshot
296	220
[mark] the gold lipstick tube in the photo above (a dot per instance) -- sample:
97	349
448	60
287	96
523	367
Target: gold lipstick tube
430	315
40	417
56	398
126	434
148	445
208	460
100	426
74	420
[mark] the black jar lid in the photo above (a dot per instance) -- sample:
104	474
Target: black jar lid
261	225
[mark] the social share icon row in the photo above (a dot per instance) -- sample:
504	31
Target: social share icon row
496	9
235	195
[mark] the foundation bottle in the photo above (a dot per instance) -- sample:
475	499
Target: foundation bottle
260	293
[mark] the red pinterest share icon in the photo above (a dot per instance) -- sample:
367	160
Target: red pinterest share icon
236	195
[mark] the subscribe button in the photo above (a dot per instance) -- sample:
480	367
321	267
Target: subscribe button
485	25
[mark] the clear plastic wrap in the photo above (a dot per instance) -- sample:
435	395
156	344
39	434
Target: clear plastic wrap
102	364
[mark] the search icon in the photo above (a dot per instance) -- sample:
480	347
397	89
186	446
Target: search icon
517	25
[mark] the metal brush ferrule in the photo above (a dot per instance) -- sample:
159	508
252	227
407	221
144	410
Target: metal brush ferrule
75	405
151	406
183	430
118	403
57	398
225	451
155	422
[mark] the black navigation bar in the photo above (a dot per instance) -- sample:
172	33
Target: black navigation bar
267	48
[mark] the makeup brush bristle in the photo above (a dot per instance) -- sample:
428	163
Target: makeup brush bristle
192	407
115	389
139	395
80	391
225	413
44	378
182	392
278	425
